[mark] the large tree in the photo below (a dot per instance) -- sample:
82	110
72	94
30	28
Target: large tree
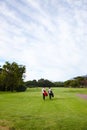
11	76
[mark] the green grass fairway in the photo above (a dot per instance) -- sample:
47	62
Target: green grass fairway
28	111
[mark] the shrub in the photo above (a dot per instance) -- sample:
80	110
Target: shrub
21	88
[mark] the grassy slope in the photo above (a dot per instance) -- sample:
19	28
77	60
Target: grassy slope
27	110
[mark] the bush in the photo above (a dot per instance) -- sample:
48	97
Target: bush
21	88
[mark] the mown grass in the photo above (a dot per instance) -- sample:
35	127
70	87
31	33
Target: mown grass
28	111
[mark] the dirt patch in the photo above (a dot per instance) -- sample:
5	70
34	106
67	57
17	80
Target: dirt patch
5	125
84	96
4	128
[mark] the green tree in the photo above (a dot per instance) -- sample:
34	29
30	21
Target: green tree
67	83
59	84
11	76
74	83
45	83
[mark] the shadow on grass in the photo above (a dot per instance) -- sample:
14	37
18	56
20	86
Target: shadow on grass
60	98
56	98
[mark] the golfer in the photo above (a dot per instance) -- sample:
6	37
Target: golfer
50	93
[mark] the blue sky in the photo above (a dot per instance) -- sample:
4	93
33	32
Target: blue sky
49	37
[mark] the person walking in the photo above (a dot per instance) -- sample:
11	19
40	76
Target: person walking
43	93
50	92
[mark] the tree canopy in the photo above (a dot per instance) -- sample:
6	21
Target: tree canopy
11	76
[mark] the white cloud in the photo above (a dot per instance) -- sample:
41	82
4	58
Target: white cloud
51	46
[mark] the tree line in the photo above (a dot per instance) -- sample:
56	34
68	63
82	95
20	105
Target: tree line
77	82
12	79
39	83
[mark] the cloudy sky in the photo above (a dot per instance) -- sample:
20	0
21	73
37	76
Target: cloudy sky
49	37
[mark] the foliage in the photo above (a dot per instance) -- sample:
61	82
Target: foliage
80	81
31	84
45	83
21	88
11	76
59	84
77	82
39	83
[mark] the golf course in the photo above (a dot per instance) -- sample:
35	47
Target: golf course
67	110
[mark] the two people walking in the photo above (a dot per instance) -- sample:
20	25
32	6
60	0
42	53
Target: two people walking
50	93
